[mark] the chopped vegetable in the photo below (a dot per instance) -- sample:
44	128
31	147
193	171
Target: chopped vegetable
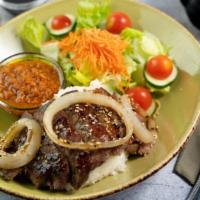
159	67
32	34
152	108
98	44
117	22
60	22
140	96
27	152
60	26
151	45
91	14
156	83
130	34
142	47
74	76
98	49
143	44
50	49
156	91
140	131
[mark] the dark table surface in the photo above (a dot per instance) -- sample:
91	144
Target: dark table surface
164	185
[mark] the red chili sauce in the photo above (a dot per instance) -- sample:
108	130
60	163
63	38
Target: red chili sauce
28	83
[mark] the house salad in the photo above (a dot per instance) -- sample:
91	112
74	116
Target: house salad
96	43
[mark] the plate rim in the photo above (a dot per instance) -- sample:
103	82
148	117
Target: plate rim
189	131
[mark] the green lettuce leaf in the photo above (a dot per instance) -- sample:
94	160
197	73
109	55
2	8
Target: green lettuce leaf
130	34
50	49
32	34
92	13
73	76
143	45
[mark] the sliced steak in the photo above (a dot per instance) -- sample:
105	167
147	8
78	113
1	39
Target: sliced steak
82	163
50	168
135	147
11	174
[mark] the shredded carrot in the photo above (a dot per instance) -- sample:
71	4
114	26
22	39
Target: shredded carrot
99	49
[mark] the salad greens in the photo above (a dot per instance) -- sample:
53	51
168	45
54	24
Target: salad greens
50	49
73	76
143	45
92	14
32	34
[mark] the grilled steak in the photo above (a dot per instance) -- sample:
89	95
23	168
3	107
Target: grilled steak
88	122
58	168
50	168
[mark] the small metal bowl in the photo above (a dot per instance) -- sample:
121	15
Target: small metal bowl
19	6
30	56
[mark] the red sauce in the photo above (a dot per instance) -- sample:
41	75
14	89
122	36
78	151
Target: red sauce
28	83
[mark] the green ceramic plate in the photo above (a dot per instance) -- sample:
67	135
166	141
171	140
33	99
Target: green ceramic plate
179	112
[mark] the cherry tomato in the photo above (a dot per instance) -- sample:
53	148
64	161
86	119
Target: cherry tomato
160	67
60	22
140	96
117	22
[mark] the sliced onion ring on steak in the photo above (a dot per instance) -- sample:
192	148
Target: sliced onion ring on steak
139	129
26	152
86	97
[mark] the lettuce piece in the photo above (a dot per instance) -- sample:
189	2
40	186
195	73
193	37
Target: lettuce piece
116	83
92	13
50	49
130	34
130	64
84	79
74	76
66	65
143	45
84	75
151	45
32	34
111	82
137	76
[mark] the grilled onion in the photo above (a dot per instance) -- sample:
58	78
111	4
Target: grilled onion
86	97
139	128
26	152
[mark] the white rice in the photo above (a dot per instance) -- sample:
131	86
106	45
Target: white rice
112	166
93	85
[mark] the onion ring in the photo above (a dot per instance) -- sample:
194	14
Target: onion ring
139	128
86	97
27	151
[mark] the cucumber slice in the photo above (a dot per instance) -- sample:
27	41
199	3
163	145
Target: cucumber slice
158	92
63	31
152	109
161	83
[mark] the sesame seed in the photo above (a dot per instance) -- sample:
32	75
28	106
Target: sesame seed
60	126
